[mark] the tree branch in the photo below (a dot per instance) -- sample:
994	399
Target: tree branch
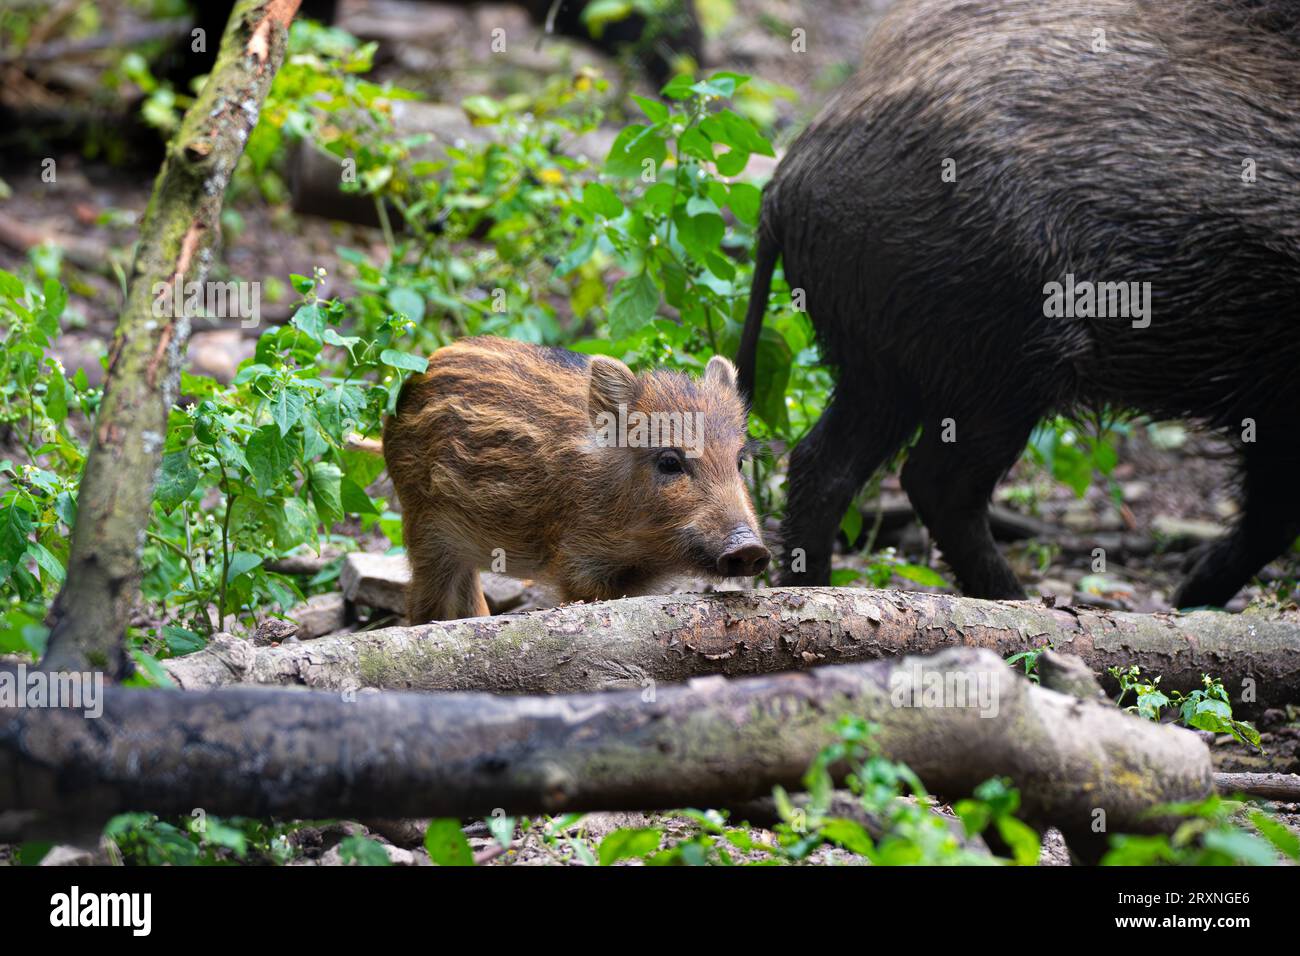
957	719
675	637
89	616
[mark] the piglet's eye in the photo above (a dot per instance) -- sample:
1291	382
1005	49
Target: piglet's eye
669	463
740	465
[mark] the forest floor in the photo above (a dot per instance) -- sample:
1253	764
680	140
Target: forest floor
1173	487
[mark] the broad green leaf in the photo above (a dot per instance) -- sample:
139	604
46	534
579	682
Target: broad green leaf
241	562
446	843
655	111
12	286
46	561
851	524
678	88
601	200
293	523
363	851
632	147
404	360
1278	834
920	575
269	458
408	302
286	409
354	499
15	526
56	396
181	641
176	479
339	411
700	235
309	320
635	301
628	844
326	491
745	201
1022	839
850	835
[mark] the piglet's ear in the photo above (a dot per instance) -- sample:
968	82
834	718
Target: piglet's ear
720	372
612	384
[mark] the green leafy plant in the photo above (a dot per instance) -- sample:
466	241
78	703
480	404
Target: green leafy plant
1206	708
1028	660
910	832
1074	455
38	487
446	844
266	465
1216	832
881	569
891	793
143	839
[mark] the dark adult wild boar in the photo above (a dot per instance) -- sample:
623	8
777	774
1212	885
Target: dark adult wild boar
989	149
569	469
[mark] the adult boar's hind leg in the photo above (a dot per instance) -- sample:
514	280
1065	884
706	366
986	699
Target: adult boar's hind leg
1269	524
862	426
950	484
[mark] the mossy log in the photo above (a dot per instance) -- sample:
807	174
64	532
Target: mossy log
635	642
180	227
956	718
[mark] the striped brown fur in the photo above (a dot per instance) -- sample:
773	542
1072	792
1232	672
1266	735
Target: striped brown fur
494	454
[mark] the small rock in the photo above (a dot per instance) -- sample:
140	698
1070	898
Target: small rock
218	353
1226	508
376	580
397	856
1079	521
503	593
380	581
391	22
305	563
1068	674
321	615
1054	852
402	832
1055	588
601	825
1186	530
1136	490
1084	599
68	856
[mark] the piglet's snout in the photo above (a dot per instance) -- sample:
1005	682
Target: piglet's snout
743	555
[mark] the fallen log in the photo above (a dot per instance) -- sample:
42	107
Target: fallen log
125	38
636	641
1283	787
957	719
86	253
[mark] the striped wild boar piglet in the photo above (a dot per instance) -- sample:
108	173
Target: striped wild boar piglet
568	468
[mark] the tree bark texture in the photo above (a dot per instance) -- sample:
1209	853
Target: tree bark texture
635	641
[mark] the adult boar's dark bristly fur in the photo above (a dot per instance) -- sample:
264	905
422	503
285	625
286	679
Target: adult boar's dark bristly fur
1112	141
503	451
